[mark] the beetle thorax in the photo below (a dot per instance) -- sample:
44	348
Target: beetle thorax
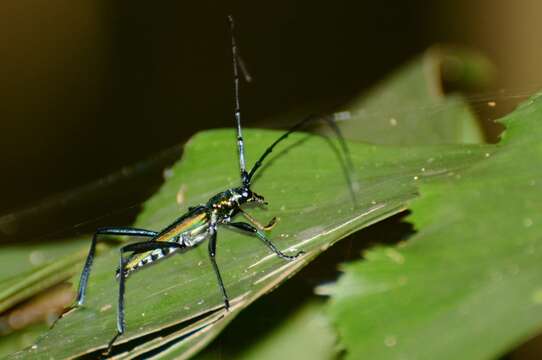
227	203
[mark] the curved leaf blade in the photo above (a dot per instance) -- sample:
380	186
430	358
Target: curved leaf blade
467	285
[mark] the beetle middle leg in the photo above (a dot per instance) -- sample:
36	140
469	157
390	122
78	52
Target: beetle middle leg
250	229
212	255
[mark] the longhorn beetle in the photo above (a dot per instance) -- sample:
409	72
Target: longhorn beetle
200	222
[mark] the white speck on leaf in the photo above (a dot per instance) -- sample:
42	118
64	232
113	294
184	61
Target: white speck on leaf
167	173
527	222
390	341
181	194
537	297
342	115
395	256
36	257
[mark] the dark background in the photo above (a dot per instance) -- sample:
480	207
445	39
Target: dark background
90	86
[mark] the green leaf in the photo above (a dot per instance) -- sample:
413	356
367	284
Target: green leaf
467	285
305	188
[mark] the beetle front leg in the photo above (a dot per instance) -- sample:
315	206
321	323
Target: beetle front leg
256	223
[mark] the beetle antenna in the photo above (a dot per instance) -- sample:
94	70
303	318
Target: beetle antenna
238	64
352	183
